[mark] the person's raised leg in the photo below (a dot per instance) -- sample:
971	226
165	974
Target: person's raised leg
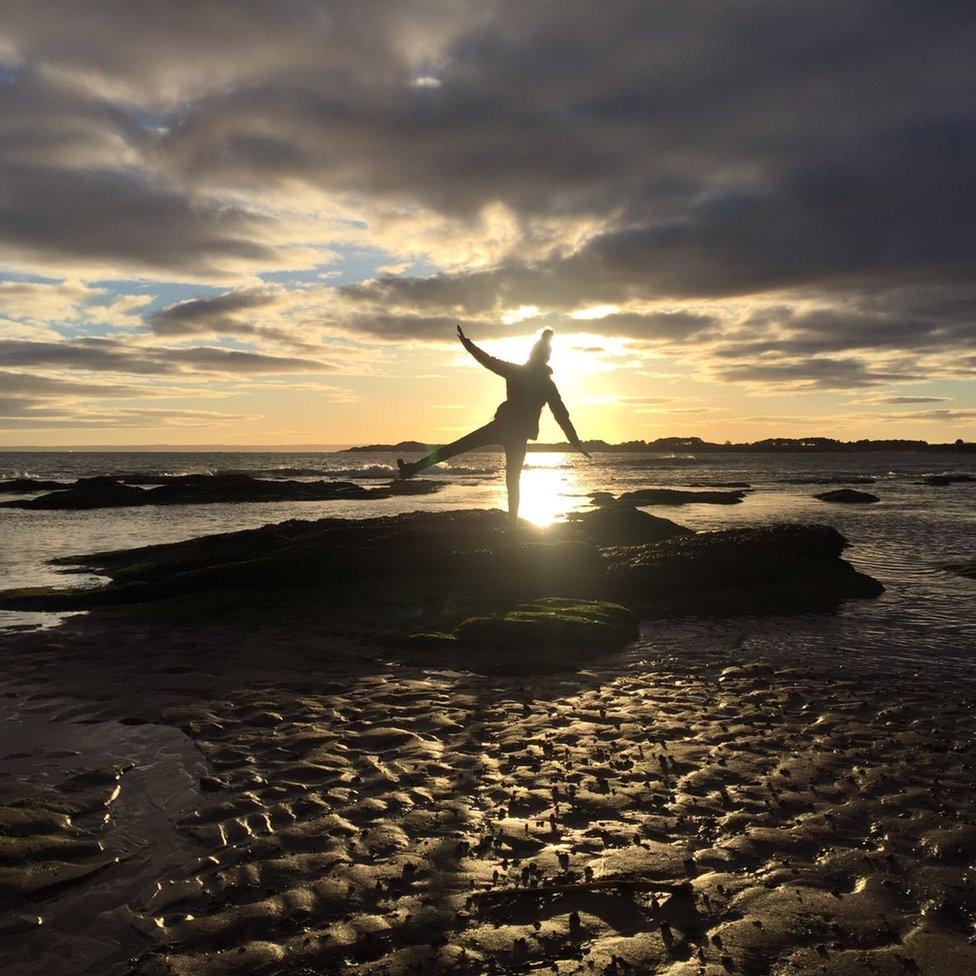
481	437
514	459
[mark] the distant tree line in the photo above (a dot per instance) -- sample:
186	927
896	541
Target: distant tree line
695	445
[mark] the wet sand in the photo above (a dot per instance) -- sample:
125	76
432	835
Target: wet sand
315	811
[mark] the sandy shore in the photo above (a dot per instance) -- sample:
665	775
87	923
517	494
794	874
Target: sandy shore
274	803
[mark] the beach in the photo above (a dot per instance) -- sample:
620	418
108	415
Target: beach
218	778
317	811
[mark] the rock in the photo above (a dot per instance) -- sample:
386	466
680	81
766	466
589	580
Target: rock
677	496
428	571
602	498
848	496
86	493
549	634
465	551
199	489
624	525
940	480
774	569
553	622
17	486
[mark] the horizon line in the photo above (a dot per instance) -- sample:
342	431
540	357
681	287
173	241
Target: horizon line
282	448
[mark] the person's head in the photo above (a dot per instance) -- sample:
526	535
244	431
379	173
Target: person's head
542	349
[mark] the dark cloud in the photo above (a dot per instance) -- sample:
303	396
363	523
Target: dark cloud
909	399
125	221
39	385
649	152
111	355
964	414
22	414
672	326
821	374
220	314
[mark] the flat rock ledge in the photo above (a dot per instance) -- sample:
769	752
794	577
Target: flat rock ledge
679	496
380	580
949	478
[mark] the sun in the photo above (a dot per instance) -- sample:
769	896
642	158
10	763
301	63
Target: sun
549	489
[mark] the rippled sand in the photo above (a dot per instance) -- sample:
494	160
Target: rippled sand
315	812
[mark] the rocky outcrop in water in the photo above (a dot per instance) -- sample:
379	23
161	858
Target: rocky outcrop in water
772	569
678	496
941	480
624	525
24	486
203	489
848	496
431	570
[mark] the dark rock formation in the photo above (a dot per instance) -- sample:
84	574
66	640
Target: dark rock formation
534	636
677	496
202	489
848	496
774	569
426	570
403	447
18	486
463	551
940	480
624	525
85	493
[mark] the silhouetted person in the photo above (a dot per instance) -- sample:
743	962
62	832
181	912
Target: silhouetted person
529	388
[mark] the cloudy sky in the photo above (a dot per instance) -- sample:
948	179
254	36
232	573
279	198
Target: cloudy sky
257	223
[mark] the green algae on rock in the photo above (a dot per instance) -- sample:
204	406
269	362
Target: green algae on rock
546	634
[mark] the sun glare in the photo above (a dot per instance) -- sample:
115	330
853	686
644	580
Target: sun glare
548	487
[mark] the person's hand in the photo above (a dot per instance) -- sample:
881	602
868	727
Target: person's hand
460	333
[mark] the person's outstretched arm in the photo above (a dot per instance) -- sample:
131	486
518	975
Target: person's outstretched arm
561	414
498	366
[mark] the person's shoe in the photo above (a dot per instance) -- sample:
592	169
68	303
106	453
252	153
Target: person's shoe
406	469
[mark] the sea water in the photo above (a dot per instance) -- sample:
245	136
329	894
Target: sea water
925	619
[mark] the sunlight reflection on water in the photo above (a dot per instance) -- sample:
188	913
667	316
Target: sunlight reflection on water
546	483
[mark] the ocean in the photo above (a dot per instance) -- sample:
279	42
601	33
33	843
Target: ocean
926	618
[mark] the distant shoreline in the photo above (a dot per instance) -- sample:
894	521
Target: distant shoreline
669	445
663	445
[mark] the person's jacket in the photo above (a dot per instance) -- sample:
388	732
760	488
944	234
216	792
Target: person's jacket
529	387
